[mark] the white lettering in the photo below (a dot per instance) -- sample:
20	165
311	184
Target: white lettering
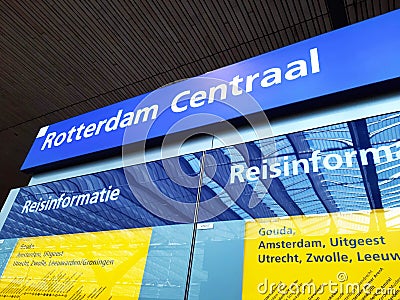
70	201
236	171
127	120
314	60
222	88
112	123
146	111
276	172
332	161
99	125
197	99
297	69
70	133
337	165
349	158
271	76
26	206
376	154
249	82
236	91
314	159
49	140
252	173
60	139
89	130
296	164
174	106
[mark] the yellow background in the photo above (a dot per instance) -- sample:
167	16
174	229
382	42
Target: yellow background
122	280
357	225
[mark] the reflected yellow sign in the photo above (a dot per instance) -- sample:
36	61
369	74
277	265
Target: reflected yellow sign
102	265
336	256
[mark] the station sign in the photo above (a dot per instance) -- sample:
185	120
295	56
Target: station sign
354	56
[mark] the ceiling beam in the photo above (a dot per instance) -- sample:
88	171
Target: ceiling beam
337	13
361	140
302	150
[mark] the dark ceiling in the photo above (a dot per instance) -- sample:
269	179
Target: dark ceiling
59	59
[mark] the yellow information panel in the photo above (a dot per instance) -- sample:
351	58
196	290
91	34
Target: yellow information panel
336	256
102	265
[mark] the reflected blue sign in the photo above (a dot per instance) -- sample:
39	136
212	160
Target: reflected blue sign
351	57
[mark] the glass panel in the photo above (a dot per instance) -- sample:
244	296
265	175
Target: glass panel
114	234
218	261
315	207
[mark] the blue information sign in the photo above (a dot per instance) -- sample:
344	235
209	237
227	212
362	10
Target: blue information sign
357	55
